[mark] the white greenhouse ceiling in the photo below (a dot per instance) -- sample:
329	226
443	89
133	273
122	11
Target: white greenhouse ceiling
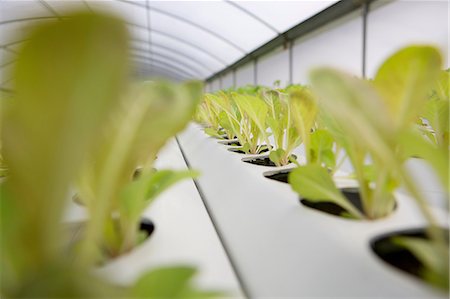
173	39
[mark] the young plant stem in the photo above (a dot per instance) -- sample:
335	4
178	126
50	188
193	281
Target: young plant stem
433	231
364	189
381	200
340	161
109	178
130	227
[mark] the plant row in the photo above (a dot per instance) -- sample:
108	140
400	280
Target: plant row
376	125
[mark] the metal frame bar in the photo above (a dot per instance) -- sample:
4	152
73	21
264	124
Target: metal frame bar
157	69
189	22
184	59
6	90
50	8
168	65
197	73
169	62
13	43
180	53
173	37
320	19
159	55
252	15
9	50
29	19
7	63
149	28
233	72
291	62
5	47
167	48
255	71
183	41
365	16
87	5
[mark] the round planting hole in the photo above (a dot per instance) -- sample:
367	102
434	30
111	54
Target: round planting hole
280	176
137	173
352	194
263	161
231	143
239	150
396	255
78	230
146	226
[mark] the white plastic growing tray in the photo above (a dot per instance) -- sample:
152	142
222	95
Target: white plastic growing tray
283	249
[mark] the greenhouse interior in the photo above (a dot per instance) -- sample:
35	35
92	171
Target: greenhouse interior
224	149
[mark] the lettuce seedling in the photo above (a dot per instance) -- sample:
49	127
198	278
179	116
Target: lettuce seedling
435	259
228	114
253	111
436	111
303	107
377	118
68	79
281	124
367	120
208	115
149	115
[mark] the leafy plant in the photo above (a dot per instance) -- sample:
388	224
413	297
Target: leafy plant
253	111
228	115
208	114
69	77
436	111
435	259
367	119
64	91
376	120
323	150
303	108
149	115
279	122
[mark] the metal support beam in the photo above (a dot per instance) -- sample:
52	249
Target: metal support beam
165	34
185	62
252	15
168	65
189	22
290	63
322	18
234	77
255	71
163	58
155	70
88	6
183	41
365	16
149	28
50	9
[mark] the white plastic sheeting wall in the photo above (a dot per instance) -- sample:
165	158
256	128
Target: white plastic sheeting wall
274	67
178	40
401	23
245	75
339	45
390	26
227	80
